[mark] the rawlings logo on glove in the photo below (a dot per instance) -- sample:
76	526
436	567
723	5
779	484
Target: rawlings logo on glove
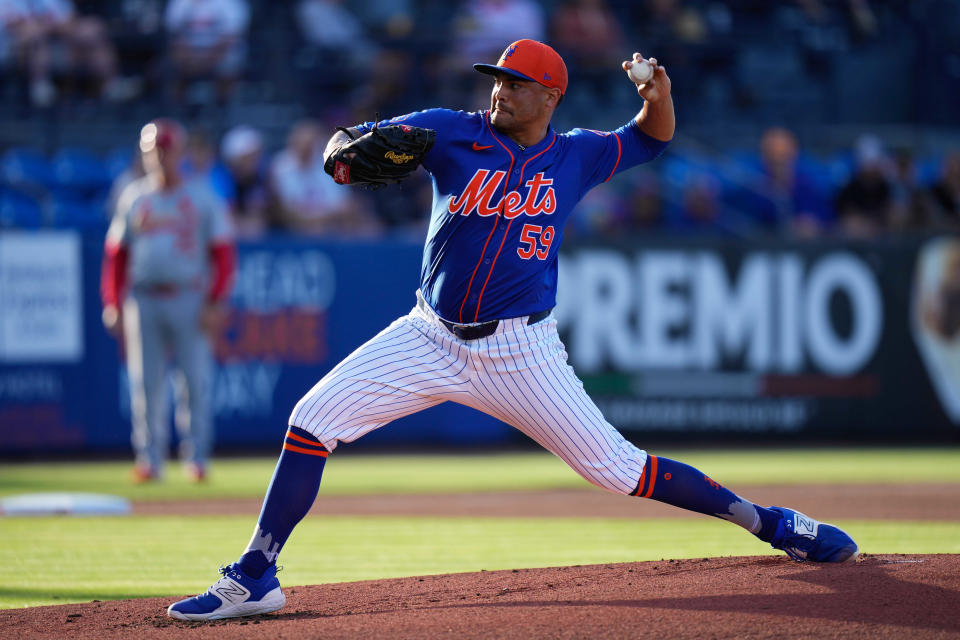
398	158
383	156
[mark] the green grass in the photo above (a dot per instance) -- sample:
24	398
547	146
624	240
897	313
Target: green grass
364	474
58	560
54	561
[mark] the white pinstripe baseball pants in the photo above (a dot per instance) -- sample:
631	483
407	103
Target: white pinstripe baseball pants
519	375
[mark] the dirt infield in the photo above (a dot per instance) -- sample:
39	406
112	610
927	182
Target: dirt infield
883	596
891	596
894	502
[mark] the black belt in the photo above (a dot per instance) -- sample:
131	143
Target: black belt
164	289
483	329
161	288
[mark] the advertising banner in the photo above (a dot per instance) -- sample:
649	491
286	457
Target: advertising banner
297	308
40	295
43	350
770	338
816	340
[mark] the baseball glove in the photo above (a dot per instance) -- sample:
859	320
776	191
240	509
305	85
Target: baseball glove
383	156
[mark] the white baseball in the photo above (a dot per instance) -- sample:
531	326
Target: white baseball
641	72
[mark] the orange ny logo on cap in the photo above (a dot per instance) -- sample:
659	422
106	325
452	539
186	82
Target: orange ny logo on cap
530	60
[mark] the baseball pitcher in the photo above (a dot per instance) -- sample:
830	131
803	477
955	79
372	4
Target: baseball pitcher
481	332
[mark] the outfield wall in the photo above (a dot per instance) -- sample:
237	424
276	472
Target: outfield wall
672	337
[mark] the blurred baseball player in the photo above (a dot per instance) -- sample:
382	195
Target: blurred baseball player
172	241
481	332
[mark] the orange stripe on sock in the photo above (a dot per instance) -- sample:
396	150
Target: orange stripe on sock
653	477
294	436
312	452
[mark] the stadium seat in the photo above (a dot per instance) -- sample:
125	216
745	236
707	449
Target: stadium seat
747	159
27	170
80	170
18	210
118	160
929	170
77	213
840	168
816	168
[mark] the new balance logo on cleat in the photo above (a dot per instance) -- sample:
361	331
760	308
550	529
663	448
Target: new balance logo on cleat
235	594
803	538
804	525
231	591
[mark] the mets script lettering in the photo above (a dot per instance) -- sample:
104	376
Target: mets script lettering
483	187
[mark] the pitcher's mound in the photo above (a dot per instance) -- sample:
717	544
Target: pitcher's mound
893	596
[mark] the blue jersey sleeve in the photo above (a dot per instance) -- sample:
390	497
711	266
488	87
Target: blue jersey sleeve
443	121
606	153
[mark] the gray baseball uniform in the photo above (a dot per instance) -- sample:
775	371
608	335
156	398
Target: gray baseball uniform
168	234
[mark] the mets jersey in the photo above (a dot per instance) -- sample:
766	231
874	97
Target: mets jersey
499	209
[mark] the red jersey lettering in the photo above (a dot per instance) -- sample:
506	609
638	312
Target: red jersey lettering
478	194
512	205
547	204
482	188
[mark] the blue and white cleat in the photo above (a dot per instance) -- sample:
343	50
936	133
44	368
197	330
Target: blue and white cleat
803	538
235	594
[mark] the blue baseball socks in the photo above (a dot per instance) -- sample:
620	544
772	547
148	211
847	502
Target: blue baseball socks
681	485
296	481
292	491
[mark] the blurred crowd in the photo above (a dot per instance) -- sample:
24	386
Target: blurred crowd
773	190
342	61
76	49
778	190
373	52
287	190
